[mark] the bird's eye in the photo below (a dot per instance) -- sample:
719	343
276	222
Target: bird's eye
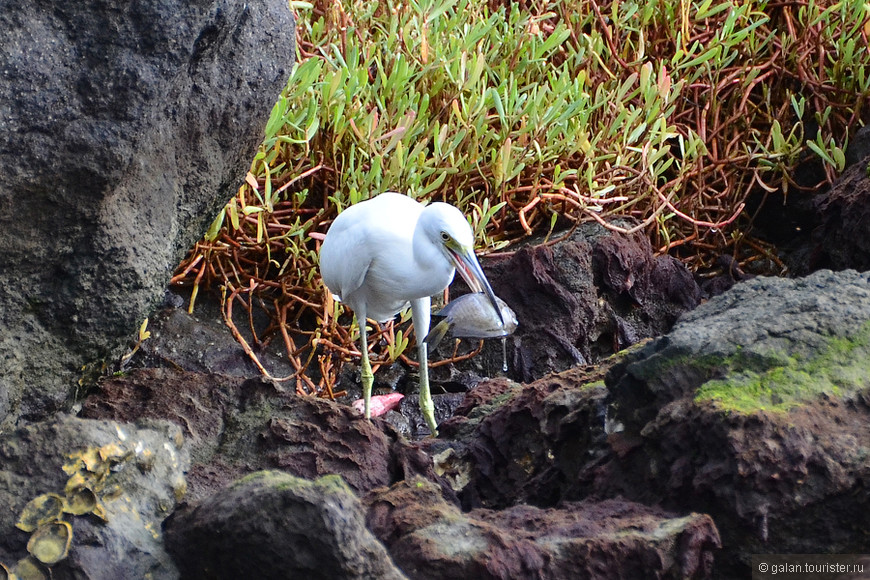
445	237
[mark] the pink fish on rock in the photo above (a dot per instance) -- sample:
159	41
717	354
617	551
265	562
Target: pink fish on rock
380	404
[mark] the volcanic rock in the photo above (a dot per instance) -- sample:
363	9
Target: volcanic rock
236	426
135	474
755	410
272	525
121	134
431	539
579	301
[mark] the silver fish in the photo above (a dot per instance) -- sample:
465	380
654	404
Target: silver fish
472	316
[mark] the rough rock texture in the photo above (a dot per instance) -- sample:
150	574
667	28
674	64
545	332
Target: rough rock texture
202	343
752	412
140	490
759	326
514	443
274	525
429	538
236	426
581	300
121	133
755	409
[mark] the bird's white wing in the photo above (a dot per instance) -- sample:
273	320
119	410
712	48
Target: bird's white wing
343	260
362	232
366	258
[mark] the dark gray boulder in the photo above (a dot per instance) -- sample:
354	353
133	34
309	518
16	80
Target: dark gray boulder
753	339
755	410
274	525
122	131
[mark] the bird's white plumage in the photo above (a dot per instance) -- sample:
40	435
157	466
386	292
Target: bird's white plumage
376	259
381	254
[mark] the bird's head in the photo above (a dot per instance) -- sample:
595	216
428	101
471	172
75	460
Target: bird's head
446	228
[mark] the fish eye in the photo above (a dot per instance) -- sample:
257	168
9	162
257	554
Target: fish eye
445	237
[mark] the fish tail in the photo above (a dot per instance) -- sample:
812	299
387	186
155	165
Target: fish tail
437	334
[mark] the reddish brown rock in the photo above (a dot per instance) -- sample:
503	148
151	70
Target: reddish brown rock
580	300
429	538
236	426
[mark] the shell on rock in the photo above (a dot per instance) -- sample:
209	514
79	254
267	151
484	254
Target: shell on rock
80	502
28	569
91	459
78	481
100	512
113	452
50	543
40	510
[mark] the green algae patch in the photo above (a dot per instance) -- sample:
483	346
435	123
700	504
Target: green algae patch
599	384
841	366
282	481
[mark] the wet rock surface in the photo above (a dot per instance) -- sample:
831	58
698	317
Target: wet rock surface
647	463
200	343
659	441
122	132
524	443
743	429
236	426
755	410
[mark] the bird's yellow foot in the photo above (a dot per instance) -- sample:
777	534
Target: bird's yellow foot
428	410
367	378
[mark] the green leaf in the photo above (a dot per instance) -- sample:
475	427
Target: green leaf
214	229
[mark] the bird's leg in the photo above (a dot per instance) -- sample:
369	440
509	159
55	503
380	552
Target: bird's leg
365	374
426	405
420	314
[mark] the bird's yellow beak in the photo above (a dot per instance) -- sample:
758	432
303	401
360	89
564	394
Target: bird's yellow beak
465	262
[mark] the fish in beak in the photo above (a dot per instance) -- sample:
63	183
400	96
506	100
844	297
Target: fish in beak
471	316
466	264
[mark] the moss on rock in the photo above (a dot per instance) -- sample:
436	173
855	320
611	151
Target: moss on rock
840	367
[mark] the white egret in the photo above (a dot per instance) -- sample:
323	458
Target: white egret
383	253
